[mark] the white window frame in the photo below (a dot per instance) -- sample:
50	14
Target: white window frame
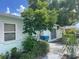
10	31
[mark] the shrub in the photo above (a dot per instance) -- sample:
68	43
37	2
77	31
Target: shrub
2	56
40	49
15	54
7	55
44	47
34	48
29	43
71	41
28	55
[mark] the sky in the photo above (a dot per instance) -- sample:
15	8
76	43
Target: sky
12	6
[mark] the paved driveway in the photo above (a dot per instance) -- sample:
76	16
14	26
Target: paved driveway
55	51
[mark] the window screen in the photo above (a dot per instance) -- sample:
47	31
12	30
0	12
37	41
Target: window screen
9	27
9	32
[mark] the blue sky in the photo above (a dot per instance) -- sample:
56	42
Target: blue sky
12	5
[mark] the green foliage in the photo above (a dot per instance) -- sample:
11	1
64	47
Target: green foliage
28	55
37	4
66	14
71	41
34	48
69	17
44	47
15	54
54	4
39	18
2	56
70	37
7	55
29	43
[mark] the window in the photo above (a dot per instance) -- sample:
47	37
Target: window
53	34
77	35
9	32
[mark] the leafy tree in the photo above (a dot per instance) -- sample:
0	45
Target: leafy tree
34	4
38	17
67	16
53	4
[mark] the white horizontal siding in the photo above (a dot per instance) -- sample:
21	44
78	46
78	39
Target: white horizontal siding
7	45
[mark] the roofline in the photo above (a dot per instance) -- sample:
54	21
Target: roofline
11	16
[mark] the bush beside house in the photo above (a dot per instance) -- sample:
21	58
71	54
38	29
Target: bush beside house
32	49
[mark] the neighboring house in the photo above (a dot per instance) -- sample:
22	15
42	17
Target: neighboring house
53	35
57	31
11	28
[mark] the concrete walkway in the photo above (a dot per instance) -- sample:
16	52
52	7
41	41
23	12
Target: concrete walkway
55	51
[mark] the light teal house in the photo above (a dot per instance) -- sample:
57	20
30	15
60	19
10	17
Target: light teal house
11	28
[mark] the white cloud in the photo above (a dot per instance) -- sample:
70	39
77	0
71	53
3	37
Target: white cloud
16	14
21	9
8	10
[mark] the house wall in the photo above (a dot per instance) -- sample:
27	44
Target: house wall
58	35
8	45
48	33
